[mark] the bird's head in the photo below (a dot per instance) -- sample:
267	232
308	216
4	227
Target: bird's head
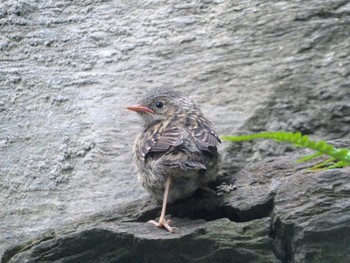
160	105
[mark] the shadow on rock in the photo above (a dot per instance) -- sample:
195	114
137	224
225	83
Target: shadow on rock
274	211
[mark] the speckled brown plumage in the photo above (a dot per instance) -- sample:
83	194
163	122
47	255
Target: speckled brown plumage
177	147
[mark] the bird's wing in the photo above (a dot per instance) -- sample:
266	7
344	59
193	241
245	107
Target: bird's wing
160	139
170	137
185	165
203	133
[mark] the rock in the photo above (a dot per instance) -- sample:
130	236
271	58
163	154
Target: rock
69	69
311	219
220	241
277	211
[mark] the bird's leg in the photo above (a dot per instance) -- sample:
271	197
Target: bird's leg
162	221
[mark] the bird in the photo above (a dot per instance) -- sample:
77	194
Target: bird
176	152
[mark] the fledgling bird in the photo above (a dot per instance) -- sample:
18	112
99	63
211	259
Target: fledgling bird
176	153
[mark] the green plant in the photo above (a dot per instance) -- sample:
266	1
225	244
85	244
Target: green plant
339	157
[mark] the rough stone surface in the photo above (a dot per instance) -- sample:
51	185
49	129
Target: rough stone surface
276	211
198	241
68	69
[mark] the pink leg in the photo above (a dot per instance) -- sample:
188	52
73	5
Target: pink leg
162	221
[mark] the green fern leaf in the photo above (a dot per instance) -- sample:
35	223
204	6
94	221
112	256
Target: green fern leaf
339	157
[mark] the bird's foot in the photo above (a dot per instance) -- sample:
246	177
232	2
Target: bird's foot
164	223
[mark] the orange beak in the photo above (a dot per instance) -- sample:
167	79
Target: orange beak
140	108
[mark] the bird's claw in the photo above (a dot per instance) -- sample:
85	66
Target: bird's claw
164	223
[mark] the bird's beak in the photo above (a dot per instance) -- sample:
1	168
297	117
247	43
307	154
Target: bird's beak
140	108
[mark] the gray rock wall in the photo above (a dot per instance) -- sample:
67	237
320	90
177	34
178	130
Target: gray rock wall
68	69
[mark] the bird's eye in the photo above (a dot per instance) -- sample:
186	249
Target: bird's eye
159	104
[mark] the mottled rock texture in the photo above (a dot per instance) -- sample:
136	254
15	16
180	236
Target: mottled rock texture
69	68
271	211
